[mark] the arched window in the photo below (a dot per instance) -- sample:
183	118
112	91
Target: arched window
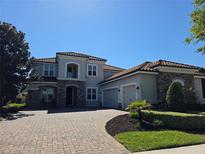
179	81
72	71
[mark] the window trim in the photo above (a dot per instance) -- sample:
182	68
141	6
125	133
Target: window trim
49	68
96	88
78	76
92	70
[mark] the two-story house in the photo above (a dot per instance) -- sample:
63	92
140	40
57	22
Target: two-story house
69	79
76	79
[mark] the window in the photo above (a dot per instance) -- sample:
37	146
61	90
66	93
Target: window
49	69
72	71
46	70
203	87
47	94
92	70
91	94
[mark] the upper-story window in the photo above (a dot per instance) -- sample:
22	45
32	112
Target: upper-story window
72	71
92	70
49	69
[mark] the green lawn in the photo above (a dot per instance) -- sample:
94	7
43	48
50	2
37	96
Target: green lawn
150	140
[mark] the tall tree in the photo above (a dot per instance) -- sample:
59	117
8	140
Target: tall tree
198	25
14	61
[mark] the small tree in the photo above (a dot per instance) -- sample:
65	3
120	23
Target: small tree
175	97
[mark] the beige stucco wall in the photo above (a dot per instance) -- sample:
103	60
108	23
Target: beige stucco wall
148	87
145	82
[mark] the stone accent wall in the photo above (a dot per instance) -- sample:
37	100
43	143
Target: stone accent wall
164	79
34	99
61	92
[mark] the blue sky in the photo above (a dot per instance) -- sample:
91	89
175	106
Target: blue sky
125	32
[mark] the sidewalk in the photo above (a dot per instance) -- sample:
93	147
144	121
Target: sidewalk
195	149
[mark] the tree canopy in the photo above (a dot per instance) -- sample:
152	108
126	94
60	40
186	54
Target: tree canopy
198	25
14	61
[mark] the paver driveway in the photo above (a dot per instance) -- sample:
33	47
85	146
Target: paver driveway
63	132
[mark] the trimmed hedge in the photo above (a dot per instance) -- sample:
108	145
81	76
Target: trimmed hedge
13	107
176	120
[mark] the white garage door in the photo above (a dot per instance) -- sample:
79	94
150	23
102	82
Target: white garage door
110	98
129	95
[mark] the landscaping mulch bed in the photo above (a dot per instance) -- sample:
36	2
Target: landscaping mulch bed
122	123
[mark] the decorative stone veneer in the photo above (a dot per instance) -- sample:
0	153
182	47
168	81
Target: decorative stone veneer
34	99
61	92
164	79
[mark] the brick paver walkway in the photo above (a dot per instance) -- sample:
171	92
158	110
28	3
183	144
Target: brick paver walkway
63	133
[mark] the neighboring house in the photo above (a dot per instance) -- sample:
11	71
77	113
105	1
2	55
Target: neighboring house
75	79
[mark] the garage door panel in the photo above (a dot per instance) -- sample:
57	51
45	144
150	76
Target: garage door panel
129	95
110	98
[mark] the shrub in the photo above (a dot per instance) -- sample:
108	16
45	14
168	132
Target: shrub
138	105
158	123
138	125
175	97
176	120
133	114
13	107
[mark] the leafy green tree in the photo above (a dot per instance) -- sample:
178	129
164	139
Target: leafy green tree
14	61
198	25
175	97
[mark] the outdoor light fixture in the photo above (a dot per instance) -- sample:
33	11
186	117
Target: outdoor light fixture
137	87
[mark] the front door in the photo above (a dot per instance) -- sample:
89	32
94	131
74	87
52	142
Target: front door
71	95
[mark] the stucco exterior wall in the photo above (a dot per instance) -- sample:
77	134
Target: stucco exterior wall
145	82
148	87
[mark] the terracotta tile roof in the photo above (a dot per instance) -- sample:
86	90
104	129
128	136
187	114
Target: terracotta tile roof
142	67
112	68
172	64
45	60
150	67
77	54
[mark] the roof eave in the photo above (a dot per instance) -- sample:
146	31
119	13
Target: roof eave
127	75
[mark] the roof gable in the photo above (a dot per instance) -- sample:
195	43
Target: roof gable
81	55
112	68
